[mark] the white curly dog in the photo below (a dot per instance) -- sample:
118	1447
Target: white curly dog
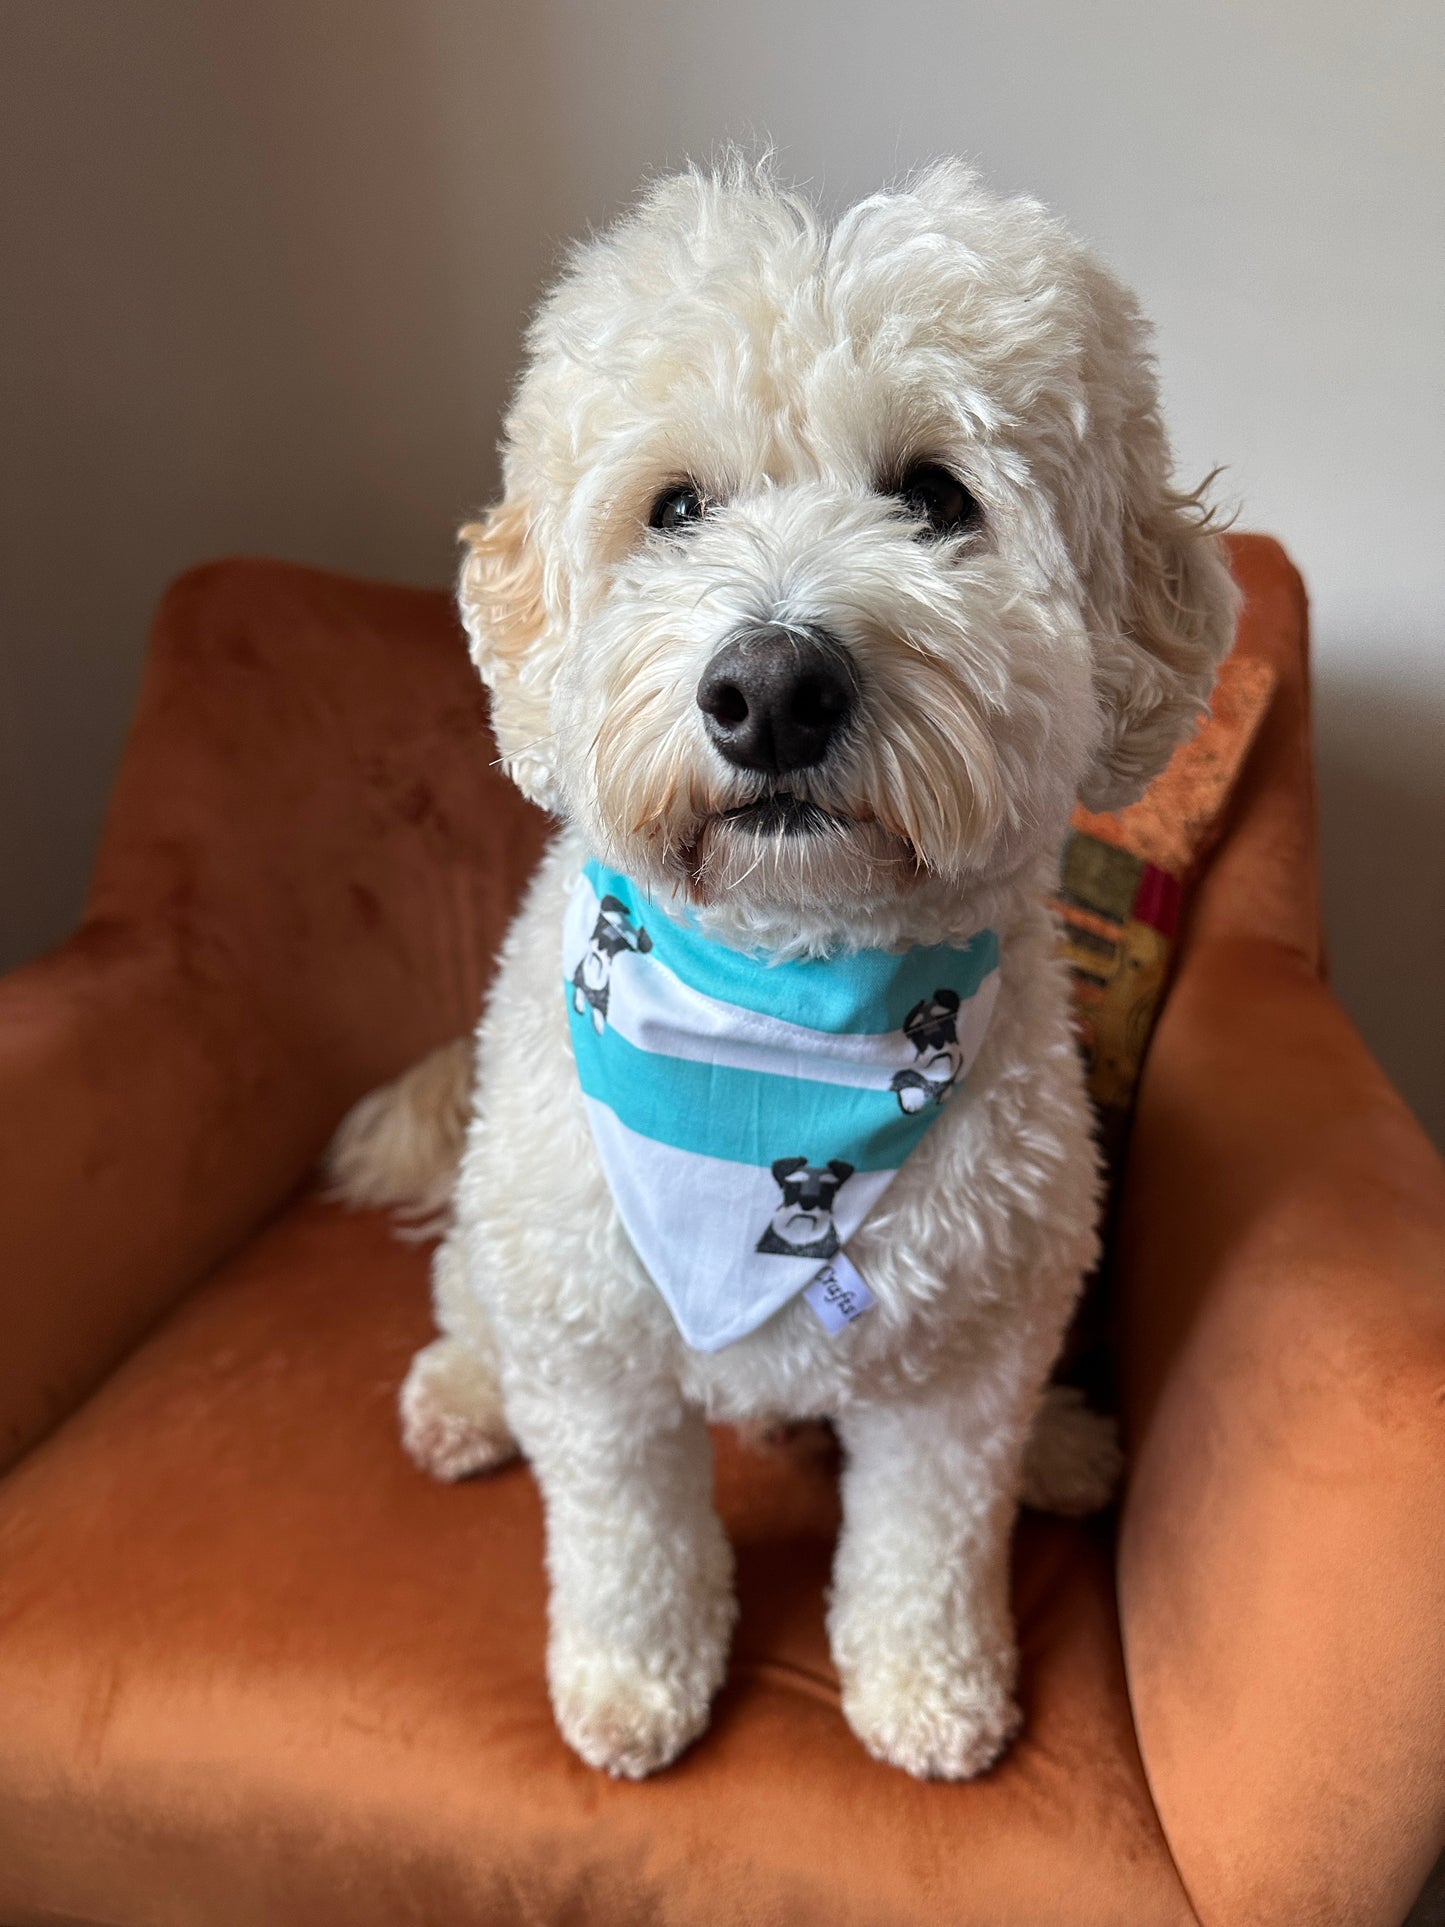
906	475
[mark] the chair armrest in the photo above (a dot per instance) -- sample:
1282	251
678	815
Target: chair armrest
146	1124
1282	1551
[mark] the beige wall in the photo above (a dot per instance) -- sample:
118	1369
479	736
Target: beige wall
265	264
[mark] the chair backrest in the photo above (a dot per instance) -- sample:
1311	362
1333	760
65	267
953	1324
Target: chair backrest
308	815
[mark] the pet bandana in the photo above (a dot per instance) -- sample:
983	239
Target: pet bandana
749	1115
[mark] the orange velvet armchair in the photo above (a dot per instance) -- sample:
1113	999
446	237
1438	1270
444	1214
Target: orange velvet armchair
255	1670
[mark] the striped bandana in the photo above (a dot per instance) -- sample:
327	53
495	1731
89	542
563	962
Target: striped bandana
750	1115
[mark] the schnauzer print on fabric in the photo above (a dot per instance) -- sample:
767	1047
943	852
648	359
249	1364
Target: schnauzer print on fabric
611	935
932	1029
802	1226
749	1115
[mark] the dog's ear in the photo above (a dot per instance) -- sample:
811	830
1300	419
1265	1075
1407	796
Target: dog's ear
502	596
1154	663
1161	603
841	1169
784	1168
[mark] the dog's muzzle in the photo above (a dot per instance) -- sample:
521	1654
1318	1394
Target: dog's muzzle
774	698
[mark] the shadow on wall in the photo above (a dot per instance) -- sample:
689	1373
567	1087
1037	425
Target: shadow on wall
265	289
1382	822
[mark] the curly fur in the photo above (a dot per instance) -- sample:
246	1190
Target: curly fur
725	335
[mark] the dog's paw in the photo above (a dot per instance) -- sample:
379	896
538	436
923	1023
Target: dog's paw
1072	1464
938	1719
452	1422
623	1715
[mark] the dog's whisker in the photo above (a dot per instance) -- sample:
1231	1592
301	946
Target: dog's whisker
522	749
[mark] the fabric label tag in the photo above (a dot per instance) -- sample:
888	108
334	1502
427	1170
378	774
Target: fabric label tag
838	1294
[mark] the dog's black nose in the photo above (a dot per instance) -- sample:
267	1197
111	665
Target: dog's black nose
775	697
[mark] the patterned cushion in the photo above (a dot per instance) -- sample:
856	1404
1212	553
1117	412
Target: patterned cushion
1122	885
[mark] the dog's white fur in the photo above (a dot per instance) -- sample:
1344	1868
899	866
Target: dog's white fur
722	334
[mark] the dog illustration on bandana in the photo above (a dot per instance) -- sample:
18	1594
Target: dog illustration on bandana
592	979
802	1226
932	1029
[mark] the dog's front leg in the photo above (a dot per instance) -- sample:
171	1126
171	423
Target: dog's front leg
920	1624
642	1603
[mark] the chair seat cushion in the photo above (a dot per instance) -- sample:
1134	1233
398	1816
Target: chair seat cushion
255	1668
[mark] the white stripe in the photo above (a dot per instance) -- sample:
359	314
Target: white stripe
655	1011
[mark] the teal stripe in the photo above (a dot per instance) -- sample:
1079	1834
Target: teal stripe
749	1117
867	992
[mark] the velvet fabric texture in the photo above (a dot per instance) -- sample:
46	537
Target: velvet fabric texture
255	1670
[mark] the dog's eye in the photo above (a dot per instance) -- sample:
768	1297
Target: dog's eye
939	499
677	508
